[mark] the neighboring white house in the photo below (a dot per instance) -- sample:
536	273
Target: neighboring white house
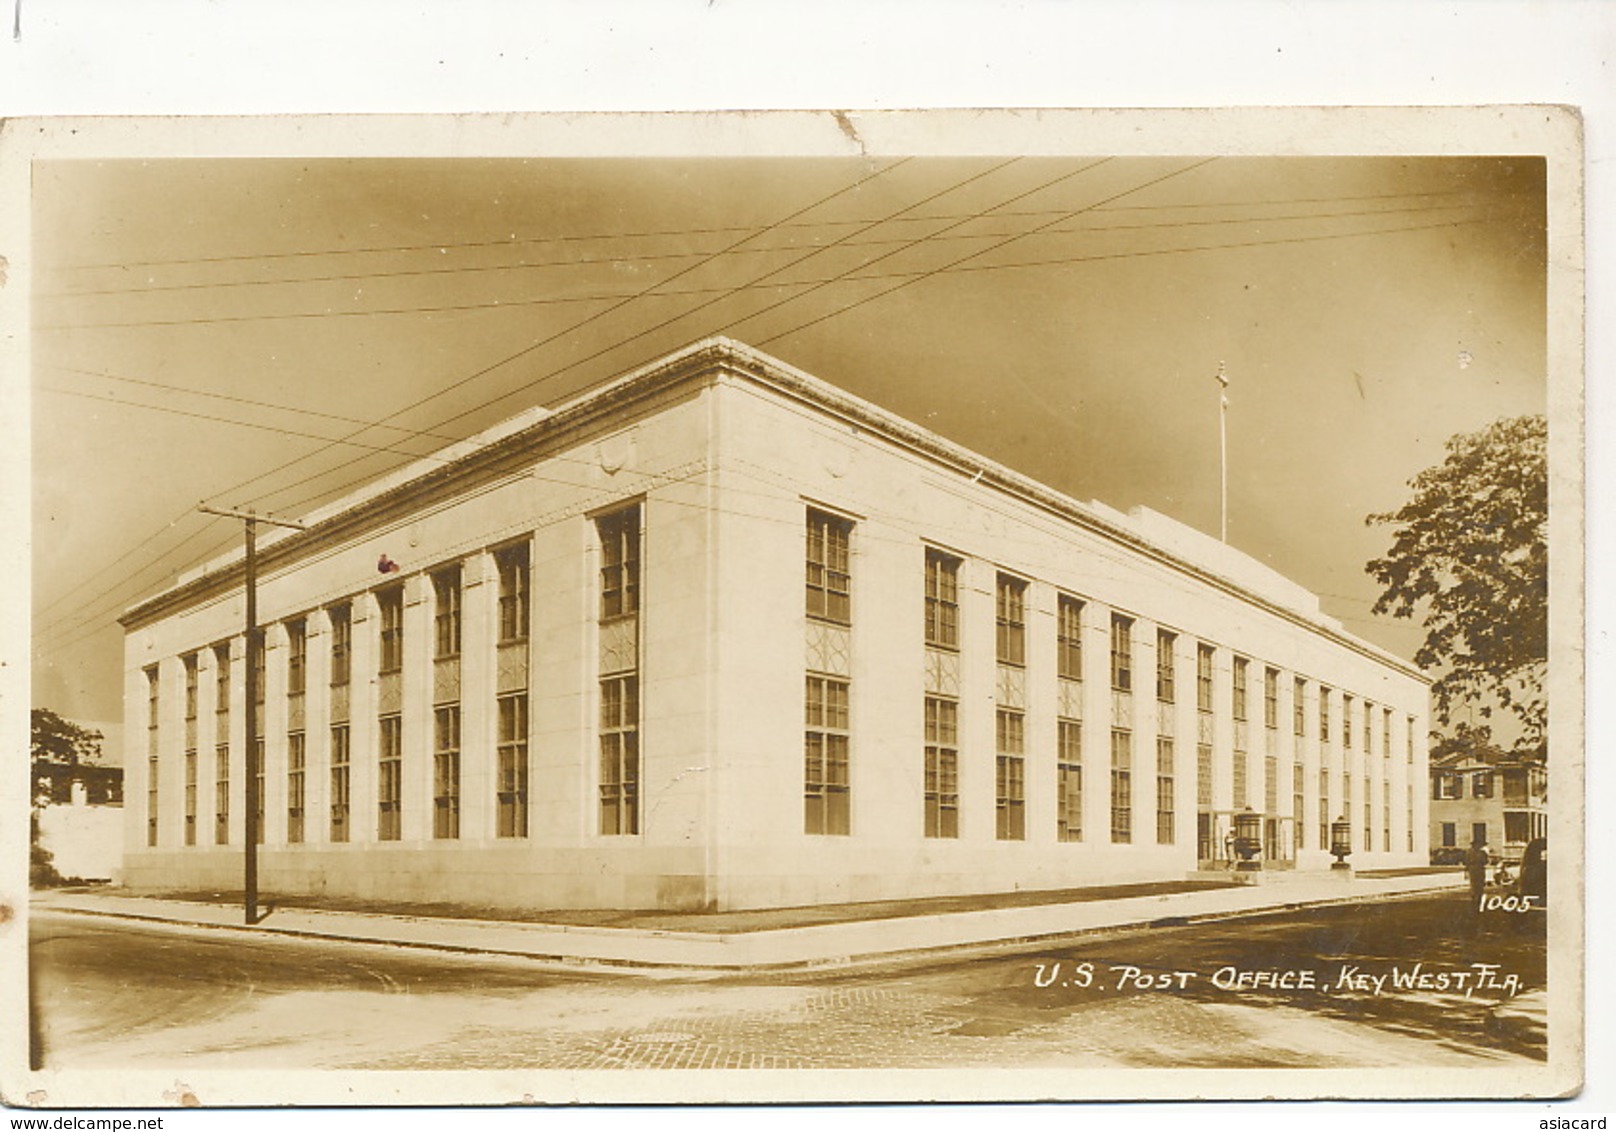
719	635
79	807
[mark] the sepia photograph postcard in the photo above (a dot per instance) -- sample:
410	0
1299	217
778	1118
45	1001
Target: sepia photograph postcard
908	605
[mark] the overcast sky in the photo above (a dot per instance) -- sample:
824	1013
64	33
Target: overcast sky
204	330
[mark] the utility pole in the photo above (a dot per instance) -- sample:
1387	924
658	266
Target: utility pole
1223	452
254	761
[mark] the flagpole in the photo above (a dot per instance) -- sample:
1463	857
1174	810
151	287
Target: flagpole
1223	452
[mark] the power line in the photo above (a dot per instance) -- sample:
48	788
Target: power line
910	277
607	296
446	437
442	246
639	334
974	255
751	234
244	424
908	280
1151	252
524	265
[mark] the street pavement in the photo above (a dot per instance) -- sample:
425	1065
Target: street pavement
117	992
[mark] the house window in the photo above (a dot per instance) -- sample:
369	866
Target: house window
1324	808
942	767
1324	714
1241	795
1010	793
1410	758
446	614
1386	734
825	755
1447	787
1166	686
151	709
1069	638
1297	805
1270	698
512	821
390	602
1121	785
1478	833
1164	790
256	650
190	797
1450	834
1242	668
1386	816
390	779
620	755
296	768
221	794
1121	652
297	648
1203	775
1517	826
446	772
190	685
340	782
829	568
257	749
1069	781
619	563
341	617
942	600
1481	784
1346	722
515	577
1011	619
1299	708
1203	678
221	686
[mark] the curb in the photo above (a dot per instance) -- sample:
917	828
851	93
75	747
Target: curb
626	963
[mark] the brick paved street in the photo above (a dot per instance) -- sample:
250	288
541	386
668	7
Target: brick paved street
116	994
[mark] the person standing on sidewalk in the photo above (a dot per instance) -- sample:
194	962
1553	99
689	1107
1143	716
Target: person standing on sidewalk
1476	871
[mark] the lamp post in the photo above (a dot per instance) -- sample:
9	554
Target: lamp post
1341	844
1248	840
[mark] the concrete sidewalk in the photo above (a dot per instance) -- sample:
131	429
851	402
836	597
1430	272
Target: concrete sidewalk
817	944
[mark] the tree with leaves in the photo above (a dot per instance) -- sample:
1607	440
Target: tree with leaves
57	740
1470	555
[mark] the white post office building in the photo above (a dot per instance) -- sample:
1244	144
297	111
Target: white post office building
718	635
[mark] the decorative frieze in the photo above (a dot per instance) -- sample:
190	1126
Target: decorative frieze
446	680
1011	687
1122	710
389	701
942	673
619	645
830	649
1071	699
511	667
